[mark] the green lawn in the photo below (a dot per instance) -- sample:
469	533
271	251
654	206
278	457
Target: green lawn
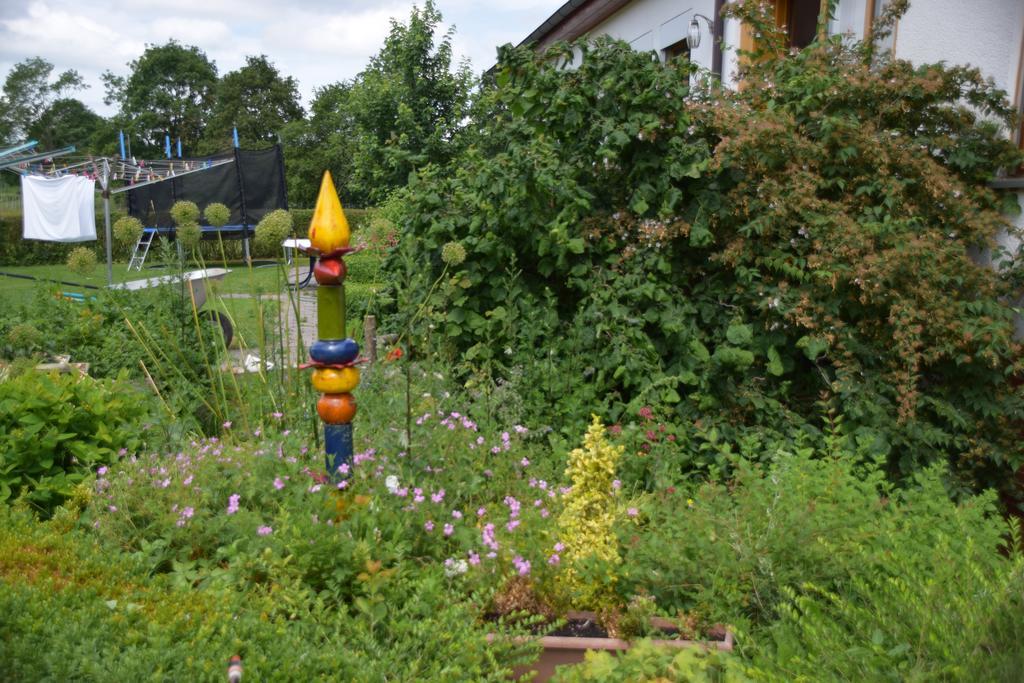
241	279
267	281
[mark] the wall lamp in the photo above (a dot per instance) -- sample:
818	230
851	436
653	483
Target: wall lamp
693	36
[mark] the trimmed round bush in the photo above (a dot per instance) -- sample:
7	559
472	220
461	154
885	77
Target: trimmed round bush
275	227
217	214
127	231
82	260
184	212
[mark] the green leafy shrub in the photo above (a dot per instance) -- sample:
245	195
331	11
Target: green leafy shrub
732	255
645	662
127	231
949	617
275	227
740	545
75	611
82	260
115	332
217	214
55	428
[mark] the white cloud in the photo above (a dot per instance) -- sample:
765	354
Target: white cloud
318	42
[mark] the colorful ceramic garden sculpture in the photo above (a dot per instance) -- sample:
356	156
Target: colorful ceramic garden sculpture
333	356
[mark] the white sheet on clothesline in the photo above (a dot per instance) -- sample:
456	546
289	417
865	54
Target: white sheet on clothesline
59	209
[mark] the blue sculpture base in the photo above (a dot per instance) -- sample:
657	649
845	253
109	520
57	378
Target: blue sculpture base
338	444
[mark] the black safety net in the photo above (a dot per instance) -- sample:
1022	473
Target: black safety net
251	187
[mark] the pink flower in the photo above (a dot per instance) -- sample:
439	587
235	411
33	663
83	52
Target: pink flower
315	488
233	503
343	468
559	547
646	413
474	559
112	508
512	524
278	484
457	514
265	531
632	512
187	481
522	566
428	525
277	415
525	462
101	471
437	497
554	559
449	530
480	512
227	424
616	484
342	484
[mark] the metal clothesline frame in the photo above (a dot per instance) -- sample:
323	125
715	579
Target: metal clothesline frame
101	167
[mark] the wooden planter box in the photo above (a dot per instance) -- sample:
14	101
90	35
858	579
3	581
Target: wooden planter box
562	650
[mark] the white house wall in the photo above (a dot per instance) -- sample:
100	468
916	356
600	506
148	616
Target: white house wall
656	24
983	33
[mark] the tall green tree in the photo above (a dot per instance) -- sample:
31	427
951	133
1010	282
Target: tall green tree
324	141
405	110
256	99
67	122
169	91
29	90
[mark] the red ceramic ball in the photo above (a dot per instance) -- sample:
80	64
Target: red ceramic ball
336	409
329	271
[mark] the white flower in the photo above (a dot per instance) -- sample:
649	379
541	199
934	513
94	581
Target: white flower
391	483
454	567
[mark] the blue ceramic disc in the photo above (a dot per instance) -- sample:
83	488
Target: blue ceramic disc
334	351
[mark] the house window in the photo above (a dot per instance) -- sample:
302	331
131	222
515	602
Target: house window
680	50
801	20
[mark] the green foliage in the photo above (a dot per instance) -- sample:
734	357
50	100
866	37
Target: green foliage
404	110
732	256
68	122
17	251
646	662
29	95
741	545
275	227
217	214
82	260
54	429
944	616
257	101
74	611
169	91
127	231
118	331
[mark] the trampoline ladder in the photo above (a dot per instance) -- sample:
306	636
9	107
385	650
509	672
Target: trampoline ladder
141	249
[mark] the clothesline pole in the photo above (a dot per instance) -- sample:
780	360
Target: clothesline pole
105	185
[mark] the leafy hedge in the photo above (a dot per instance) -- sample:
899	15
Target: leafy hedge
743	257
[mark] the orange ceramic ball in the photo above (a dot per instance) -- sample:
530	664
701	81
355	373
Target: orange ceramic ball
335	380
336	409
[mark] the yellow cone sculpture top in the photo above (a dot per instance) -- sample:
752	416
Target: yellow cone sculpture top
328	230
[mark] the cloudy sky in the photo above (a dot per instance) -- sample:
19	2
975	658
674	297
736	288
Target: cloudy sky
316	41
